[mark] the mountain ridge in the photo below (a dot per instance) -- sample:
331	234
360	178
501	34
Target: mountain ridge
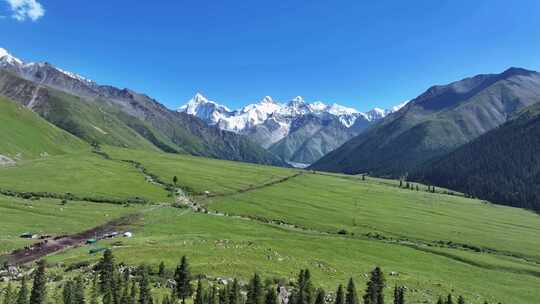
129	118
288	129
500	166
439	120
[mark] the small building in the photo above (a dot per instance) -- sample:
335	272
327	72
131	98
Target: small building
28	235
128	234
91	241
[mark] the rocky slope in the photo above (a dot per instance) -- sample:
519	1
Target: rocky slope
109	115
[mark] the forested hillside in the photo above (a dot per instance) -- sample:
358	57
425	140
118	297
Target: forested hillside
502	166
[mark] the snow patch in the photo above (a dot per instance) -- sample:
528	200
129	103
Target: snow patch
6	57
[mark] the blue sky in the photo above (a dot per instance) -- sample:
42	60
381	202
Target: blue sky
357	53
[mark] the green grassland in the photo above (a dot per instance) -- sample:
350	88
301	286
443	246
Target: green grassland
202	174
224	246
82	174
319	205
330	204
97	121
27	135
49	216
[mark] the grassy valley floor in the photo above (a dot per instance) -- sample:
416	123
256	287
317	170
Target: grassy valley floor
276	221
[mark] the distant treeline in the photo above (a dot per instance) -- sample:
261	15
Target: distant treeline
110	283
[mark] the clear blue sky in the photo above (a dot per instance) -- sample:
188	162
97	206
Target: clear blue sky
357	53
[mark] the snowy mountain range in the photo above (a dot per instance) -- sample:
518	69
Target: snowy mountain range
255	114
297	131
105	114
273	124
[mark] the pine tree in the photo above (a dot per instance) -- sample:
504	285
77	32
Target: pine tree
124	299
166	300
271	296
461	300
94	290
304	294
440	301
162	270
116	287
106	272
399	295
351	297
321	297
133	293
78	292
22	296
8	294
449	299
213	296
340	297
235	297
375	288
255	293
144	287
199	295
224	295
182	277
37	295
67	292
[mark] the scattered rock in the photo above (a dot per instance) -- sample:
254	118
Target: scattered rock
6	161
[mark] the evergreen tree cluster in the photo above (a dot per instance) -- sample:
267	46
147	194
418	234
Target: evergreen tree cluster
112	284
501	166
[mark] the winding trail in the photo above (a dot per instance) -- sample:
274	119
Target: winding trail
182	198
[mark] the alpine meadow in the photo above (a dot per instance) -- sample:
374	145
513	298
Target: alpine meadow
429	195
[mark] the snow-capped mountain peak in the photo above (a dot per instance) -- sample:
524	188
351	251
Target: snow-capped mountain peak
267	99
28	70
258	113
6	57
205	109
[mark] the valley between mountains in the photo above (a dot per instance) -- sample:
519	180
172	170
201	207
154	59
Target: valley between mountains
409	189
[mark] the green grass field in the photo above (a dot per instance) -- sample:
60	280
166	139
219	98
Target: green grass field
321	204
26	135
82	174
328	203
49	216
223	246
202	174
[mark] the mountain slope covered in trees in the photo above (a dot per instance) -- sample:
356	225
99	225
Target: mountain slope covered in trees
435	123
502	165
